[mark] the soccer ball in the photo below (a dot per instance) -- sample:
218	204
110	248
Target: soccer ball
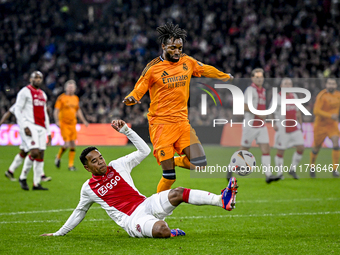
242	162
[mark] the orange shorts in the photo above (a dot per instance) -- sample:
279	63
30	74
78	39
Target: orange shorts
68	132
320	133
170	138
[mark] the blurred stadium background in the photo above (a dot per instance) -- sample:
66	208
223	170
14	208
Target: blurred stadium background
104	46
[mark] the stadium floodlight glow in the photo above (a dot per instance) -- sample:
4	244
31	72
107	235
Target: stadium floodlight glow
238	100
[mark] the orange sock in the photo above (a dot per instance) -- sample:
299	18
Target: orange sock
71	156
164	184
183	162
60	152
335	158
313	158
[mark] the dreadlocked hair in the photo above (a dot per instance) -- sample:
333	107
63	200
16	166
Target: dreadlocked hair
169	31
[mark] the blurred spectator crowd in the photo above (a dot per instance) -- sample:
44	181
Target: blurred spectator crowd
105	47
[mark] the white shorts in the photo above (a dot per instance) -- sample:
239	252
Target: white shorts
38	138
260	134
23	146
153	209
285	140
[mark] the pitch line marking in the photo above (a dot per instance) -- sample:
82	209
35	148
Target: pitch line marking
193	217
238	202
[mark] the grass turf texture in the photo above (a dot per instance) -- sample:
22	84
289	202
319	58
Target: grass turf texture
286	217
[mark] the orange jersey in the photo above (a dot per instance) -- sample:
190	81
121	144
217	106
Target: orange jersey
168	85
68	107
325	105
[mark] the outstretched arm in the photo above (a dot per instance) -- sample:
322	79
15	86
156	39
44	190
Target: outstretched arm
212	72
143	150
5	117
76	217
141	87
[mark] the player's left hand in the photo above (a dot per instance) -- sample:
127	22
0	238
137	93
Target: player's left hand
49	140
117	124
231	77
49	234
86	124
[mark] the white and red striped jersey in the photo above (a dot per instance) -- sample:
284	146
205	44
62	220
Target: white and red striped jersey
291	111
30	108
259	102
115	191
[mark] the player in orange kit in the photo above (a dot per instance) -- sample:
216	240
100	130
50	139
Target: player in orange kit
326	111
167	79
65	113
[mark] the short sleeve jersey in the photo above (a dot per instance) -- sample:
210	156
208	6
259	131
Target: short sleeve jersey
68	107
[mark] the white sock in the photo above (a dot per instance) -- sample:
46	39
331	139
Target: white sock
28	163
17	161
296	160
38	169
279	163
200	197
265	159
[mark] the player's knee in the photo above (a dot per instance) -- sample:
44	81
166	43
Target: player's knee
176	196
23	154
300	149
199	162
161	230
35	154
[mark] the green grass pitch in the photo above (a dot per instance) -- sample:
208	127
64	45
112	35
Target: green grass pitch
286	217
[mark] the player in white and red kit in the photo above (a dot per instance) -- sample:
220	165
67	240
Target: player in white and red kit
32	118
257	130
289	136
19	158
112	187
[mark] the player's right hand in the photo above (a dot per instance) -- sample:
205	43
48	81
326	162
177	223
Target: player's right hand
49	234
27	131
131	101
117	124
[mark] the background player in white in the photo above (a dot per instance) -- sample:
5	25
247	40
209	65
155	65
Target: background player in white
18	159
287	137
257	131
112	187
32	117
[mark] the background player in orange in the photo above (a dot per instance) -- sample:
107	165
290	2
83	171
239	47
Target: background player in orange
326	111
66	110
167	79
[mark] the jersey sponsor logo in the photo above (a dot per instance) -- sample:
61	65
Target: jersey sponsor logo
174	79
38	102
109	185
185	67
